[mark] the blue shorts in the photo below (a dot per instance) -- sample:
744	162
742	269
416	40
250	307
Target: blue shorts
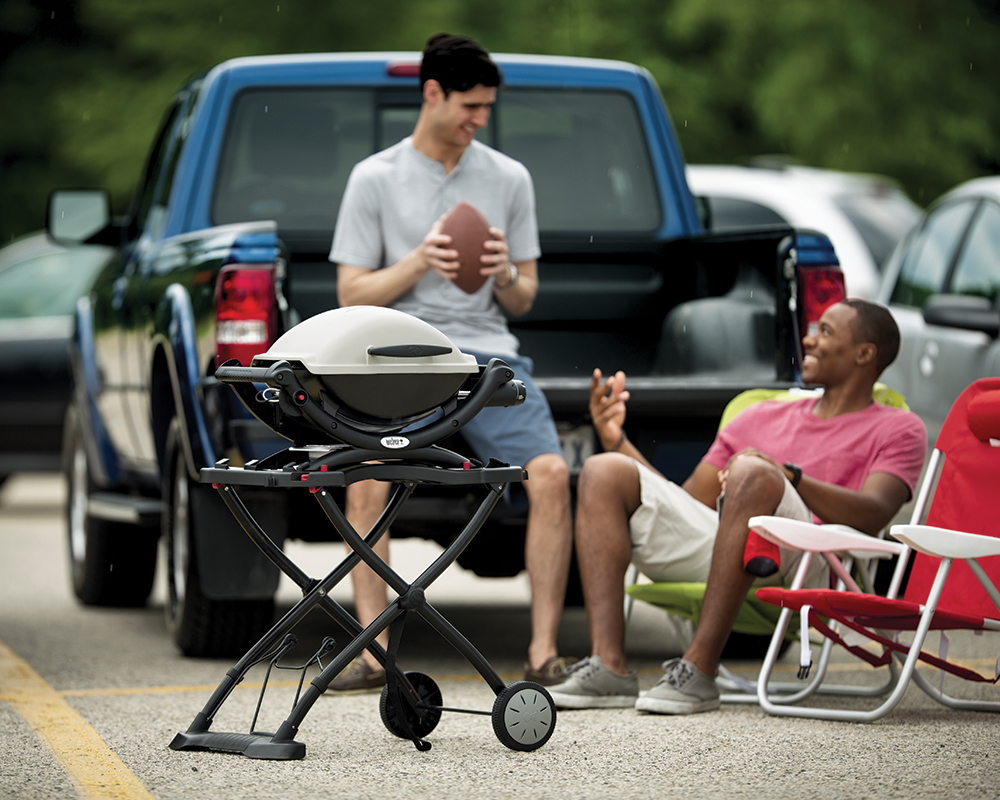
518	434
514	435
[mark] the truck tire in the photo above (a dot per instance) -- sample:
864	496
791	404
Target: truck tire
111	563
202	627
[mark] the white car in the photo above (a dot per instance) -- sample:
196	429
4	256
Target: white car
864	215
942	285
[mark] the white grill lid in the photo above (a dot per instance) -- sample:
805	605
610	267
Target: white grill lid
368	340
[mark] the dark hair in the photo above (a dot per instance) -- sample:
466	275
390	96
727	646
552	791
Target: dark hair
876	325
458	63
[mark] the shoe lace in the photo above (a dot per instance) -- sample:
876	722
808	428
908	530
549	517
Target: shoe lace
584	668
676	672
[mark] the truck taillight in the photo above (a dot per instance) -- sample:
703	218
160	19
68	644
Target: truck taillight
246	311
809	281
819	288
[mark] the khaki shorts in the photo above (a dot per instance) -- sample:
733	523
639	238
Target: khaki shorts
673	536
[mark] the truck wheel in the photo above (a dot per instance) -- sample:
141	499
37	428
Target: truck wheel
201	627
111	563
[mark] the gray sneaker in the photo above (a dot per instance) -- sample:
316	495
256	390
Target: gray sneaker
590	684
683	689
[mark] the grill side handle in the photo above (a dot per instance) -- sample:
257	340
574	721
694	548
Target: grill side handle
232	372
511	393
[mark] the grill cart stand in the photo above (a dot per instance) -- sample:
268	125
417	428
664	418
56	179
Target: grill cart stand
523	713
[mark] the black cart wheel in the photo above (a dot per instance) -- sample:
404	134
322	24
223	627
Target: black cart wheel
420	726
112	563
524	716
201	626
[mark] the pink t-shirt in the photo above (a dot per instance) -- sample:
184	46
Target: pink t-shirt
843	450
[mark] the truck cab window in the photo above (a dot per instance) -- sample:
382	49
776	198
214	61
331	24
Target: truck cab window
587	156
288	154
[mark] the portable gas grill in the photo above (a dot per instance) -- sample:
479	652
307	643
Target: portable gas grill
365	393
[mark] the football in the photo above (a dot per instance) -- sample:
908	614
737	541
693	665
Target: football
468	230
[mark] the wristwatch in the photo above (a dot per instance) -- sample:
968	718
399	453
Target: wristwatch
513	277
796	471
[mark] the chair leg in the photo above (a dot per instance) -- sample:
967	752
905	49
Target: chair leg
631	579
908	671
953	702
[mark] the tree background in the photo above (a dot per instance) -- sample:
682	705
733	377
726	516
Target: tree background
905	88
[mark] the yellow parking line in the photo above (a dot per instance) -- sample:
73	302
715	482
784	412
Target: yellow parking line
90	763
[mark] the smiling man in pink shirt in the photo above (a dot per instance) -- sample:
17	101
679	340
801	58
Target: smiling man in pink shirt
837	458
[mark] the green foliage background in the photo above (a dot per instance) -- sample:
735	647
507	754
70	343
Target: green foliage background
906	88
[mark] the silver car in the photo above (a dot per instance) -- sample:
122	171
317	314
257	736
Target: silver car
864	215
942	284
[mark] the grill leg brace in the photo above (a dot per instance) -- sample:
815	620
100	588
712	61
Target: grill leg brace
411	597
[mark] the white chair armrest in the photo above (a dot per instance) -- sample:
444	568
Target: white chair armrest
944	543
819	538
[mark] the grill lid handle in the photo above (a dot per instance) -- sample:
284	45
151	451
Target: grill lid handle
410	350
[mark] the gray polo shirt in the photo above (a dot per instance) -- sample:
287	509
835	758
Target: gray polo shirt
395	196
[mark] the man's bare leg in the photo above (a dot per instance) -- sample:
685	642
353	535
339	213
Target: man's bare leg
366	501
753	487
547	551
608	493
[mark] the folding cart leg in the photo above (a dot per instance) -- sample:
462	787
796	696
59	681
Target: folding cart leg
198	735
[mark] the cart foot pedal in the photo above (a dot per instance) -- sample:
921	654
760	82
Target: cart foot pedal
252	745
258	744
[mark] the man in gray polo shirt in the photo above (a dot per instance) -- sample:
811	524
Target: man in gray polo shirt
389	252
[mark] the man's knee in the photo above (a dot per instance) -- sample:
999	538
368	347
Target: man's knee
366	495
548	479
755	479
609	480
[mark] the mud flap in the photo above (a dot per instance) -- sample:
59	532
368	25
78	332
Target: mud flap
230	565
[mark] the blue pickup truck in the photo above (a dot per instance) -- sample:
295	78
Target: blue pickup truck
226	248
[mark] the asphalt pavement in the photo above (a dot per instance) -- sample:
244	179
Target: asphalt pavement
90	699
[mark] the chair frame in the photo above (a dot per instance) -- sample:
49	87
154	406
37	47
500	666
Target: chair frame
913	537
740	690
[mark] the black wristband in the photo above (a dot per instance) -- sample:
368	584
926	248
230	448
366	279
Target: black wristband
796	471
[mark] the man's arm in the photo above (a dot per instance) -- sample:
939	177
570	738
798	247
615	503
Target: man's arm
703	484
868	510
514	296
517	298
607	412
357	286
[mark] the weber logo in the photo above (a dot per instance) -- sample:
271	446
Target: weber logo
395	442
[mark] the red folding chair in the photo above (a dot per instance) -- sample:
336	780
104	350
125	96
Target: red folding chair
952	584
